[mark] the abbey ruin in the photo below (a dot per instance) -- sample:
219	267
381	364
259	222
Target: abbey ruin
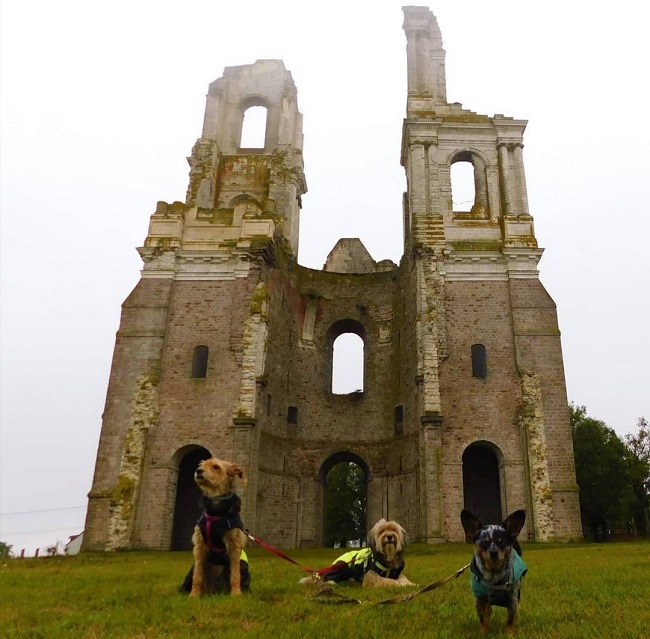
225	345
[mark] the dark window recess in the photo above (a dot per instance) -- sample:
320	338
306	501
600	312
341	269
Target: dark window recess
479	361
268	404
398	415
292	415
200	361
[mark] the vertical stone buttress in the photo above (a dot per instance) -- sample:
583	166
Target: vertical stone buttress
489	252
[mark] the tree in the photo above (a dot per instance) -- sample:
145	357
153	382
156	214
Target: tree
601	472
55	549
5	549
638	468
345	505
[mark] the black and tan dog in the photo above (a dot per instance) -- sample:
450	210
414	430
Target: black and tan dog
379	564
220	562
497	567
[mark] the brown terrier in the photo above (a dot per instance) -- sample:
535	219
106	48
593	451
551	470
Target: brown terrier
219	537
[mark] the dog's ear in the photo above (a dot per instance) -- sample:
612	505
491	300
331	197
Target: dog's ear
373	532
236	471
515	522
471	525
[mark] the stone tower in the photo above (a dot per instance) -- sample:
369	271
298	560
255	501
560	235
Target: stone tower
225	346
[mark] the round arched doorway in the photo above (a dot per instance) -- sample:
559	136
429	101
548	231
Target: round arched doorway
482	482
186	507
344	477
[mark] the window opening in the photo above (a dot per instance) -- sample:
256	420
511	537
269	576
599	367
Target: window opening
347	364
479	361
200	361
253	128
398	415
463	191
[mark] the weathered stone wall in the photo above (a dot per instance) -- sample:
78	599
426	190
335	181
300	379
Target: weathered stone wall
298	374
476	409
539	352
136	361
196	411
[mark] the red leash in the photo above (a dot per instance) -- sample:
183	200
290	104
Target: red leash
279	553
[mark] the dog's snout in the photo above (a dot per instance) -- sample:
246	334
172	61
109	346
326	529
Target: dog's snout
198	472
390	539
494	554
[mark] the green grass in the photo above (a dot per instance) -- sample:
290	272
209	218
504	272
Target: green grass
576	590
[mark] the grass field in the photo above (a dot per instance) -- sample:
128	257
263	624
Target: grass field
576	590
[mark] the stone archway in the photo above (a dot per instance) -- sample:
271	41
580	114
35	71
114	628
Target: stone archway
482	483
353	501
186	507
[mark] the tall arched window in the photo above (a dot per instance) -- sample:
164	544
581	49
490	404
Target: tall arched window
200	361
479	361
463	191
253	128
347	364
469	186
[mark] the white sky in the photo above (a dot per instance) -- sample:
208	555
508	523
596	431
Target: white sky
102	102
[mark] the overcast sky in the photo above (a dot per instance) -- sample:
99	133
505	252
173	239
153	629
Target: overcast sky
102	102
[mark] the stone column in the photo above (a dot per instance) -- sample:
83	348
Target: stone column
521	178
417	169
480	184
433	180
504	171
431	468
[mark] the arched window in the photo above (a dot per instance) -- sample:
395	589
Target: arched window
292	421
253	128
469	187
347	364
479	361
200	361
463	191
398	415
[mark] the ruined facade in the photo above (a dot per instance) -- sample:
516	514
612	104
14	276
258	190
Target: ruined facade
225	345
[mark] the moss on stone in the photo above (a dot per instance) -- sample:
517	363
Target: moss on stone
259	298
476	245
123	491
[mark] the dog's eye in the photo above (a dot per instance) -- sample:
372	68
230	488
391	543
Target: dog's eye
215	466
502	540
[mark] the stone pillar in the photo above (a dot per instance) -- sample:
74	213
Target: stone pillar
480	185
521	179
504	171
430	488
433	180
417	166
243	444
